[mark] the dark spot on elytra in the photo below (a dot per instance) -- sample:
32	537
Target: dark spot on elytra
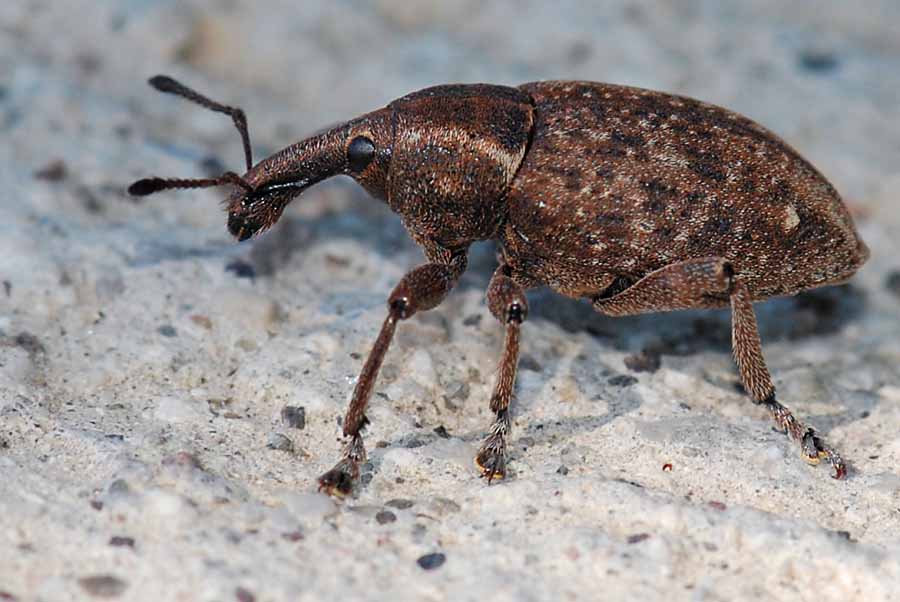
707	170
665	234
654	206
630	140
611	151
695	196
609	219
781	193
718	226
602	171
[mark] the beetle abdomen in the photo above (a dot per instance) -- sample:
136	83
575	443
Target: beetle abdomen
619	181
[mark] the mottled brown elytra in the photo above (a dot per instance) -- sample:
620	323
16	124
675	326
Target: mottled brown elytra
640	201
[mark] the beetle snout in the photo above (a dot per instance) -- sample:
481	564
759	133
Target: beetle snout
250	213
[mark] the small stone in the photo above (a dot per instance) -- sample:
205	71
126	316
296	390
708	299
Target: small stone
563	470
845	535
29	343
892	282
637	538
212	166
399	504
472	320
385	516
456	391
818	60
430	562
527	362
241	269
645	361
118	541
294	417
442	506
622	380
292	536
441	431
55	171
243	595
103	586
167	330
280	442
202	321
720	506
182	459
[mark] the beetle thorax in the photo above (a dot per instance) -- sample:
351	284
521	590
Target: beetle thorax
455	151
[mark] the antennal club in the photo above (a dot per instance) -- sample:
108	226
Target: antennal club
166	84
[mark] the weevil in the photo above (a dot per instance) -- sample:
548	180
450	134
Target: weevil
639	201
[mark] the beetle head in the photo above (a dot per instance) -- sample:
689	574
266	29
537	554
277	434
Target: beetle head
360	148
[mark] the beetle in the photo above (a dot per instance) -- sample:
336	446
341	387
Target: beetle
639	201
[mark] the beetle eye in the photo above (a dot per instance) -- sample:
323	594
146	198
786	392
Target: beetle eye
360	153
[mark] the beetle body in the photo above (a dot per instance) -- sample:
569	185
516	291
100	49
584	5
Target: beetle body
638	200
619	182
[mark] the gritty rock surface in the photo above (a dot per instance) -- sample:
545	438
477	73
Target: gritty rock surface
145	358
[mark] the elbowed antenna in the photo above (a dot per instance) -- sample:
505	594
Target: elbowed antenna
146	186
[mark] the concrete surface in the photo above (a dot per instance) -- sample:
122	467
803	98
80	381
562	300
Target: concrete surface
145	359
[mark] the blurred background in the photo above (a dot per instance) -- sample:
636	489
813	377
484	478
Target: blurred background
132	331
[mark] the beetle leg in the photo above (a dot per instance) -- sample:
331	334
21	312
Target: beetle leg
507	303
692	284
711	282
421	289
755	375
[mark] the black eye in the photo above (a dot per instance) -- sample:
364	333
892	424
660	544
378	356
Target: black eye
360	153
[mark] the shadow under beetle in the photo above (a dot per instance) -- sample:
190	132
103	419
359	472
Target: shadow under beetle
637	200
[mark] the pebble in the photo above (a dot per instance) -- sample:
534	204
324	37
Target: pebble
118	541
167	330
644	361
294	417
429	562
241	269
400	504
892	282
385	516
622	380
103	586
280	442
244	595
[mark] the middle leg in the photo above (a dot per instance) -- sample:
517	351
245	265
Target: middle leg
507	303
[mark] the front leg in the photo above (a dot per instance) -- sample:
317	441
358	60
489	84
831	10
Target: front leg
421	289
507	303
712	282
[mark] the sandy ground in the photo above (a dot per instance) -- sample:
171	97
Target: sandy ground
146	359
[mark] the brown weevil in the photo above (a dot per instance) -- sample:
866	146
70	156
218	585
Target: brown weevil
639	201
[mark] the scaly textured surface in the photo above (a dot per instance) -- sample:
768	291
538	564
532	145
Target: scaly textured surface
146	359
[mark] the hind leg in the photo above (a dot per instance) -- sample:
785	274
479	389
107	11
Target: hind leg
711	282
